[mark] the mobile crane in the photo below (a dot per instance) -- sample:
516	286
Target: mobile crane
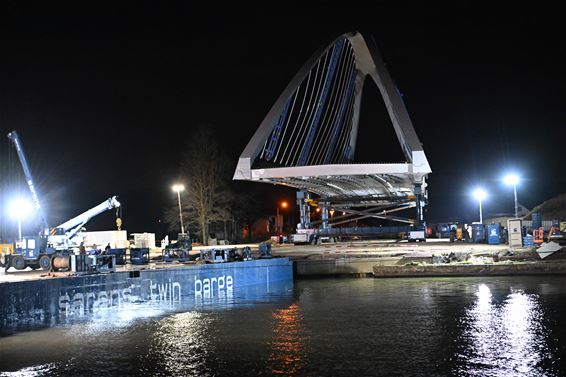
38	251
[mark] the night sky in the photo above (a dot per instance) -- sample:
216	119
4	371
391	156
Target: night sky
105	96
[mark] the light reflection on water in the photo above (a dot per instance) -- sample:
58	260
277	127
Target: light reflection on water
327	327
35	371
505	339
287	346
183	345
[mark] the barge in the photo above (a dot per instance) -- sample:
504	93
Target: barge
47	301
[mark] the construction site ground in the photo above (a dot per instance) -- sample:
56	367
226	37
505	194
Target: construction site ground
383	249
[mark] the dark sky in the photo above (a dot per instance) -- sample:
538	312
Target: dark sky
105	96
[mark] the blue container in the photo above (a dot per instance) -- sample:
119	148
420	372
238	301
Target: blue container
139	255
120	255
528	241
537	220
478	233
493	234
445	231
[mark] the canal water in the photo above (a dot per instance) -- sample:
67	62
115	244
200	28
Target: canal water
489	326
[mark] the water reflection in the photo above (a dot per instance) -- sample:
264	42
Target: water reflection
287	345
357	327
35	371
506	339
181	345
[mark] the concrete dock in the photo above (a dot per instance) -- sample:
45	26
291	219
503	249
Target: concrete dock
398	258
359	257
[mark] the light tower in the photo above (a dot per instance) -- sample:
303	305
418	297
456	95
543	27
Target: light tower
178	188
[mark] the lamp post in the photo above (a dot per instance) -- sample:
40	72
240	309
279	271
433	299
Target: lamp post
278	222
19	209
178	189
480	195
513	180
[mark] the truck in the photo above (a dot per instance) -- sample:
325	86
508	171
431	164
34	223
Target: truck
39	250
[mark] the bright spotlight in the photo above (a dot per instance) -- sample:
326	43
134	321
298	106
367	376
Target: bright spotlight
178	188
511	179
480	194
20	208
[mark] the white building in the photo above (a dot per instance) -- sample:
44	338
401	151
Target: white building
144	240
117	239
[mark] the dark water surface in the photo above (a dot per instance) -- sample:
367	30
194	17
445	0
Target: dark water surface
496	326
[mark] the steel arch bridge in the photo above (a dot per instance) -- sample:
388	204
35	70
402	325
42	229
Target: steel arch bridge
308	139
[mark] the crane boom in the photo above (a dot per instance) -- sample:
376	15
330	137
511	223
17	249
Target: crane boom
29	180
64	236
82	219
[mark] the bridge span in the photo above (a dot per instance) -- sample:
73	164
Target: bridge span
308	138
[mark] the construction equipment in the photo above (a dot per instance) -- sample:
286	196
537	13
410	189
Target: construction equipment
557	232
265	250
67	235
5	250
223	255
180	250
139	255
120	255
38	251
215	255
246	254
87	264
538	235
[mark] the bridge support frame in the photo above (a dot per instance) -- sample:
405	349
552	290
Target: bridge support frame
418	206
303	199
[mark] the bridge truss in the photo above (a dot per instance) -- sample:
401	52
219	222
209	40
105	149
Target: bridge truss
308	139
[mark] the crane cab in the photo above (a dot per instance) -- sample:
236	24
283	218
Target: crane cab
29	251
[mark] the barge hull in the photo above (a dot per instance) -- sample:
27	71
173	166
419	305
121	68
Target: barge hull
52	300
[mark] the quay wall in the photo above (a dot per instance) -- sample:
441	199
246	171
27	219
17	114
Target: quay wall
446	270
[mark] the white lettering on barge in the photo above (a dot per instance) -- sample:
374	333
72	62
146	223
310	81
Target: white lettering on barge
82	303
213	287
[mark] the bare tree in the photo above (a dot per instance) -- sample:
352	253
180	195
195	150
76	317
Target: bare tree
207	197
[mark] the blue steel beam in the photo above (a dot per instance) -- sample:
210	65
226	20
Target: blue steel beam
274	140
305	152
337	127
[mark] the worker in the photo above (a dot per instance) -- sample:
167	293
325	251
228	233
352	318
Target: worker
470	231
94	250
107	248
82	249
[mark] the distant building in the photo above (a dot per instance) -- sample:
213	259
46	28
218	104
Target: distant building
260	230
144	240
501	218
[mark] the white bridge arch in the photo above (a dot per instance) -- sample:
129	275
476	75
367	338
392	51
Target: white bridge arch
307	140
